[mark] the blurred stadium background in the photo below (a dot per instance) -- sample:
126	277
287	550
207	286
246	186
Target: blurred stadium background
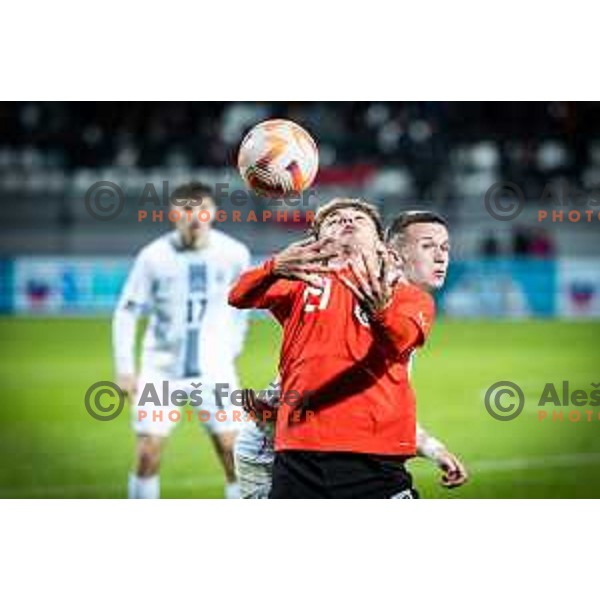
522	302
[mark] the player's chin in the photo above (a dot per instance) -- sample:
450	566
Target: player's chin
439	278
436	283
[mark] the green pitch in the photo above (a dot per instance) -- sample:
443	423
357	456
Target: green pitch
52	448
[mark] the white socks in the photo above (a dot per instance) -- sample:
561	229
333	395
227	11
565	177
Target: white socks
145	488
148	488
232	491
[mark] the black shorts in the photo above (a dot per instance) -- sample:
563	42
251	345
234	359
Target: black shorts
311	474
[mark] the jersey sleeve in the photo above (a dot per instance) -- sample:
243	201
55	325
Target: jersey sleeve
418	306
134	302
408	319
240	317
260	288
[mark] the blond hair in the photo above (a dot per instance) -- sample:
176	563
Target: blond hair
337	204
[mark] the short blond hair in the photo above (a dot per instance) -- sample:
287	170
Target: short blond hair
337	204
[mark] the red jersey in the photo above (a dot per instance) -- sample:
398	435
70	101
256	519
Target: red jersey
348	372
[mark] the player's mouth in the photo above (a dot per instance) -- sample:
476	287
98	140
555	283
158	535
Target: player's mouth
348	229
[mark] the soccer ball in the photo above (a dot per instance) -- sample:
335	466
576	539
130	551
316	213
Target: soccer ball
278	158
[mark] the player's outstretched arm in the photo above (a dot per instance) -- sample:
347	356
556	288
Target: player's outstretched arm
304	260
371	284
263	409
256	288
251	290
454	473
374	291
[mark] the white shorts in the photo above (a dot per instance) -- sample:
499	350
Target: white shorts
156	410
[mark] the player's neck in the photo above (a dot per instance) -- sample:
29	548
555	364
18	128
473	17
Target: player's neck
422	286
195	242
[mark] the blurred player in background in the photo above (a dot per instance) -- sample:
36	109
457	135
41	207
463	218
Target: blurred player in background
347	342
420	242
180	281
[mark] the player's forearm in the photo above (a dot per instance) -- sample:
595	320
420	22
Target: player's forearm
428	446
123	330
252	285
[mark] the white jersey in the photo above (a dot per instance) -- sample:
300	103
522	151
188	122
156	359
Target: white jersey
192	331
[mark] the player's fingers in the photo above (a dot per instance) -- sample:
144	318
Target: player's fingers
321	243
462	475
386	286
310	246
453	482
352	288
312	268
362	284
248	400
458	480
245	400
396	267
310	257
455	473
372	275
302	243
311	279
386	262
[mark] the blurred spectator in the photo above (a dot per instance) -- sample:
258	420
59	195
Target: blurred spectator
534	242
416	134
541	245
521	242
489	246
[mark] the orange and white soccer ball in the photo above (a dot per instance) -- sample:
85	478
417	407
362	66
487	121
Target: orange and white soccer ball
278	158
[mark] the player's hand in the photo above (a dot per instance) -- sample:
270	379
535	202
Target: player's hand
252	404
305	260
372	286
454	472
397	272
128	383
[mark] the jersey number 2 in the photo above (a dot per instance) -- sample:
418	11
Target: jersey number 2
317	298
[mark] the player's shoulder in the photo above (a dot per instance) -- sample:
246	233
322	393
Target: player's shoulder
408	292
157	248
416	303
232	247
